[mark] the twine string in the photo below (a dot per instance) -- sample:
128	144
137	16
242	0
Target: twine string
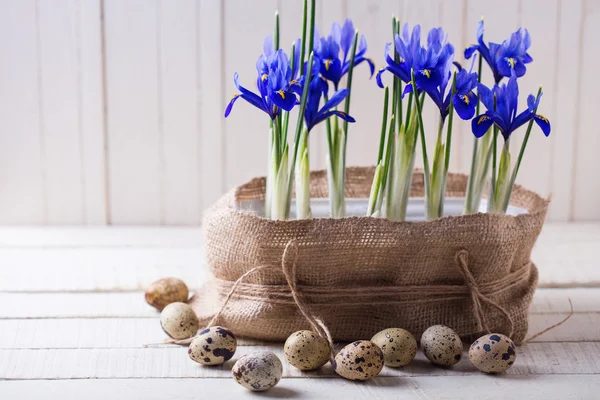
289	271
288	267
462	262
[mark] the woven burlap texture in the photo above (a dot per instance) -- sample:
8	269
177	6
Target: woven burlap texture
362	274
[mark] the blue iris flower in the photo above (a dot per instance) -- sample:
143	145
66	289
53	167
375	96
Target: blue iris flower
276	86
312	114
464	100
504	58
504	115
318	88
431	64
327	50
432	71
406	46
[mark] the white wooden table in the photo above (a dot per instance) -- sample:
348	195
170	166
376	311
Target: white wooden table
73	324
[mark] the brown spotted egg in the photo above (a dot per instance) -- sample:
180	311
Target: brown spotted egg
166	291
493	353
258	371
441	345
359	361
213	346
399	346
179	321
306	351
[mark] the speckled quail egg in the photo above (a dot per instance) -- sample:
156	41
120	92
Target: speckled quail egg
359	361
166	291
213	346
398	345
441	345
493	353
306	350
258	371
179	321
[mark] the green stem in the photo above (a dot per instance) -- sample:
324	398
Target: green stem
276	35
299	125
277	141
383	124
520	157
449	133
470	207
303	43
422	135
286	114
311	33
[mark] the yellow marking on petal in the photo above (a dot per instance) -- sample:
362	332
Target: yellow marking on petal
540	116
235	95
327	62
293	82
482	119
426	72
511	61
402	60
281	93
263	77
465	99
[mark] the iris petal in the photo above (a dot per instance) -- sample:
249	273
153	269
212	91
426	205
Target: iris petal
322	116
331	69
336	99
428	79
543	123
465	105
470	50
230	105
481	124
378	77
284	100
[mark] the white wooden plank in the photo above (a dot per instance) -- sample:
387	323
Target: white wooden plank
94	237
374	20
127	332
586	183
247	128
212	99
132	304
566	255
91	112
168	362
565	123
133	111
178	84
21	168
540	17
97	269
498	387
60	104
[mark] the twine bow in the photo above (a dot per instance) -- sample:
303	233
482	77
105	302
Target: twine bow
289	272
478	298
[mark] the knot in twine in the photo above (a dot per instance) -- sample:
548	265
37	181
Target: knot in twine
288	268
478	298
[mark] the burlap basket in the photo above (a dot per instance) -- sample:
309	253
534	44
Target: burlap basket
363	274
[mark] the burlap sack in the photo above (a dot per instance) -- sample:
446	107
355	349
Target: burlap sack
362	274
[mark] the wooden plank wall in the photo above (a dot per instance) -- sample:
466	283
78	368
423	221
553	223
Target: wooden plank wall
111	110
